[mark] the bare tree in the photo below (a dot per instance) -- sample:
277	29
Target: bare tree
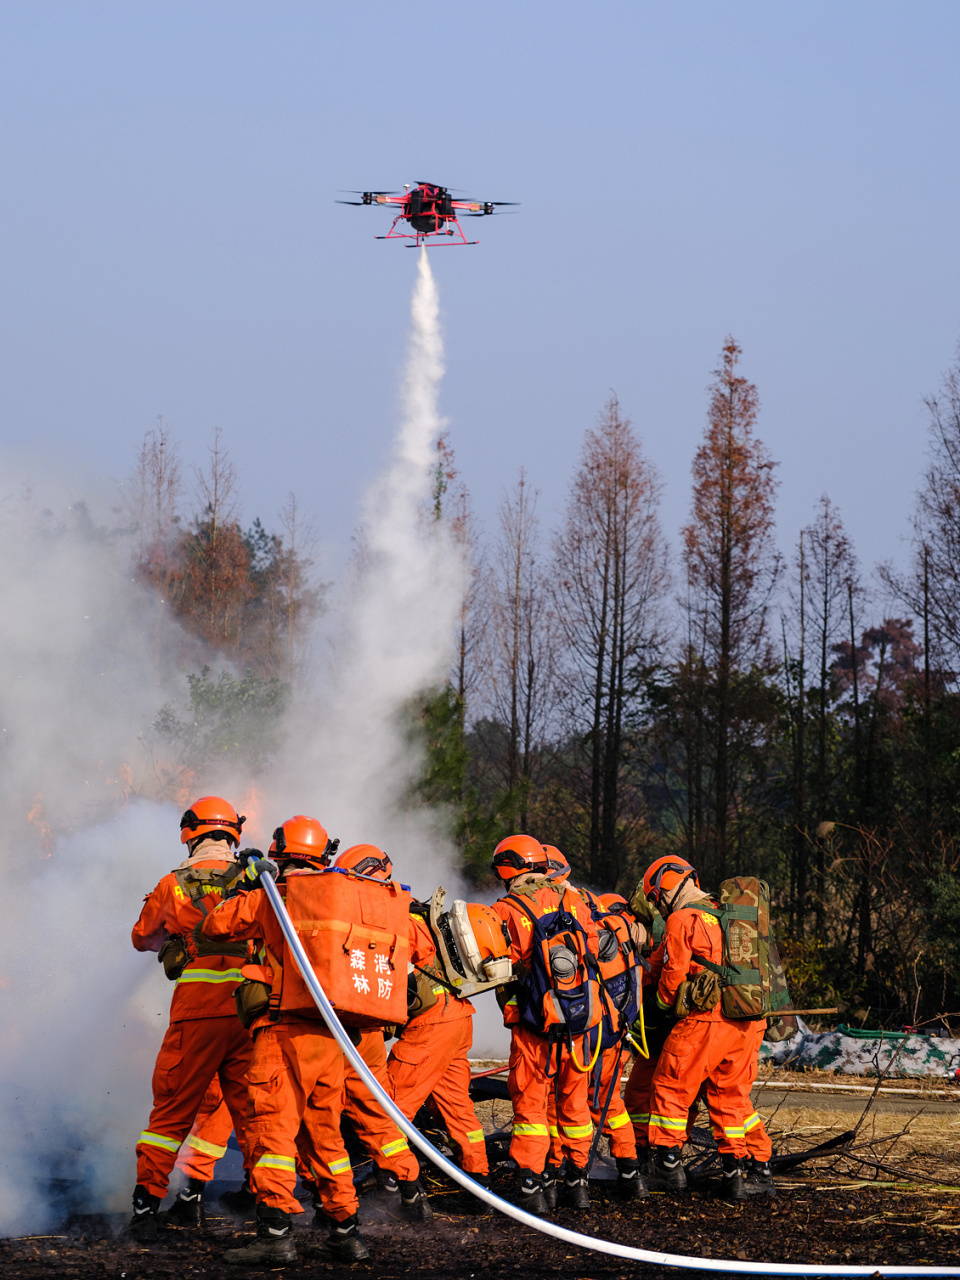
158	481
610	578
519	644
829	582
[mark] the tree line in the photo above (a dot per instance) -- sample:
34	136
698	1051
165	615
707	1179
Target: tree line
748	710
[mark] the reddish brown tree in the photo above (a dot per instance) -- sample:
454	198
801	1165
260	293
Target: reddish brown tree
731	564
610	578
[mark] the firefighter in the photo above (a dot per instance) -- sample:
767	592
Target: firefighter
204	1039
430	1055
297	1078
606	1104
540	1064
705	1047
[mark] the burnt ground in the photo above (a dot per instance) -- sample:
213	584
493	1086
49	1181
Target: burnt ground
812	1221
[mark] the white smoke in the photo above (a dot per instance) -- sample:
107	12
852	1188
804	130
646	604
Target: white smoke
87	657
351	754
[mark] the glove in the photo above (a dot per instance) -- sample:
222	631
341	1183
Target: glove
697	996
254	866
173	955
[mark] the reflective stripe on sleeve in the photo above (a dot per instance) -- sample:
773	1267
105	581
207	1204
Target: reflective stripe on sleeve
208	1148
148	1139
271	1161
210	975
392	1148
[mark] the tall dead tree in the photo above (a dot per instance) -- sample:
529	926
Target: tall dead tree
610	578
519	645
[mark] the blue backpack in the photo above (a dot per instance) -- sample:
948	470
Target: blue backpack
560	996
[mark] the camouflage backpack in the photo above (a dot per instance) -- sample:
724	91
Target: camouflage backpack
746	972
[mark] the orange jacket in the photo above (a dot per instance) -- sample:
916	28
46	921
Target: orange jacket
448	1007
250	915
688	931
205	988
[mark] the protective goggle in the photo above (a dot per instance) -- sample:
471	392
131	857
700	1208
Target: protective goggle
370	865
510	858
191	822
324	857
679	868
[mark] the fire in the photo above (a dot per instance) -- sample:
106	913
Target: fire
36	816
252	805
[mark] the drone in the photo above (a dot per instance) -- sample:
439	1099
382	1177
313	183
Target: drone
431	212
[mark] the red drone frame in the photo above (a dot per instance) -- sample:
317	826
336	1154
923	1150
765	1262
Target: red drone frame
430	210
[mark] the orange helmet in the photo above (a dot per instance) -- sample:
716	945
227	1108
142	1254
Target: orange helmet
366	860
558	868
664	876
303	837
614	903
518	855
488	930
210	813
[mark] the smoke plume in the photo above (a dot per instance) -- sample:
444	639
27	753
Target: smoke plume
87	657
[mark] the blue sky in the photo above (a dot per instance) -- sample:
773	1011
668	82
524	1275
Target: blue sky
170	243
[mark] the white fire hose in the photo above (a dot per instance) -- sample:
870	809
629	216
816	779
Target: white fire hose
504	1206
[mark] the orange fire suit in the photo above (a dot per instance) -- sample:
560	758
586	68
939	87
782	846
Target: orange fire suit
299	1077
534	1057
204	1039
703	1048
430	1057
616	1128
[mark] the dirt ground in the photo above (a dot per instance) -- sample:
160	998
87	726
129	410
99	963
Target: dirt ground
809	1223
838	1210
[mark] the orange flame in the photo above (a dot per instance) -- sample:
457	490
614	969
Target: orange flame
36	816
251	804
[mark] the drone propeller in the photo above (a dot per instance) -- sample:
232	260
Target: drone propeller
358	203
348	191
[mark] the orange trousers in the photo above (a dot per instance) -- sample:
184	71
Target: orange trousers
715	1052
616	1127
532	1057
300	1084
193	1053
432	1059
640	1085
207	1140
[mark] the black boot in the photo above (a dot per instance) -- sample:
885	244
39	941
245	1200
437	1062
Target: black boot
187	1209
548	1185
575	1188
242	1202
414	1204
760	1178
473	1204
386	1181
630	1186
143	1225
273	1245
664	1170
344	1242
734	1184
529	1192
